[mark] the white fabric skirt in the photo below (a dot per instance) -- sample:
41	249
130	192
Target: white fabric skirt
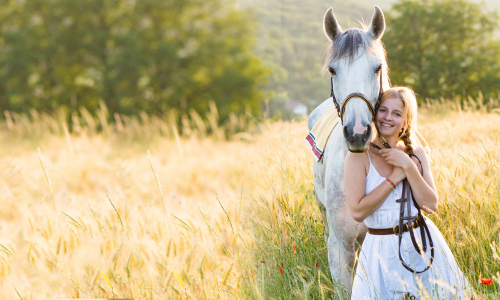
380	274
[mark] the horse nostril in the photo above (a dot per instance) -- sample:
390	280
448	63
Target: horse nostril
368	133
347	136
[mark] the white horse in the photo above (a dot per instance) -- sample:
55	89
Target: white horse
355	59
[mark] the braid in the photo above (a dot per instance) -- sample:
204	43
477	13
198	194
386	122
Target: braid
406	140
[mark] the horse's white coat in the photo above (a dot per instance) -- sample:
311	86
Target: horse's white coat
343	233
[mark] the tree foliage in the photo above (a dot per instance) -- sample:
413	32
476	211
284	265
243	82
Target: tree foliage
443	48
292	43
134	55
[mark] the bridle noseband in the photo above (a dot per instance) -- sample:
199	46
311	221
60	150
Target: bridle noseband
362	96
373	111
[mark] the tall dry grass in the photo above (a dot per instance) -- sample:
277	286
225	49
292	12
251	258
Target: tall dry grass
35	125
207	214
289	258
135	208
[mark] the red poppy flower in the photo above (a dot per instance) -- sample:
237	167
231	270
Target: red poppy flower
281	270
294	248
486	281
317	265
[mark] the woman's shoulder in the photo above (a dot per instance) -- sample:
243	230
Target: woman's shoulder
419	150
421	161
357	161
358	157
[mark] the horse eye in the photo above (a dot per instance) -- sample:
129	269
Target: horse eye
332	71
378	69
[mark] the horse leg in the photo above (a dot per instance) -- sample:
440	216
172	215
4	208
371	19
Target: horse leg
322	210
340	261
357	246
318	172
344	236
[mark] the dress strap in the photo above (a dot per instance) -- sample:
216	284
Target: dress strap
369	157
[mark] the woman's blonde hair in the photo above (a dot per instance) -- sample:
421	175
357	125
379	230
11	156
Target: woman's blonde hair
407	96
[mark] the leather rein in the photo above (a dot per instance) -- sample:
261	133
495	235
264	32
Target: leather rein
405	199
405	196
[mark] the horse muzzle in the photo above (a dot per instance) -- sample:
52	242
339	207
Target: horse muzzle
358	142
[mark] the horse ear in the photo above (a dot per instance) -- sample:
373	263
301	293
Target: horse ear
377	25
330	25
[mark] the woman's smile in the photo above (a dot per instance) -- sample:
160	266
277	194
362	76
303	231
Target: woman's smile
390	117
383	124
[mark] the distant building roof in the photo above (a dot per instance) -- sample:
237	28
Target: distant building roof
296	106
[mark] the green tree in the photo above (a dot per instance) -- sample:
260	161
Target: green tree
134	56
443	48
292	43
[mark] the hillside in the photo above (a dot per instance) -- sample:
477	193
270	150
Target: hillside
292	44
386	4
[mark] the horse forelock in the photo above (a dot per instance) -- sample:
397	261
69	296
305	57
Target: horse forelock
349	44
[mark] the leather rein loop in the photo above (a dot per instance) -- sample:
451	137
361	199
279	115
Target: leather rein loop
424	230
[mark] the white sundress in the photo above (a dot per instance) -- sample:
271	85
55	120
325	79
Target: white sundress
380	274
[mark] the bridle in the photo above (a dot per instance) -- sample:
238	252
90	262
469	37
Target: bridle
373	111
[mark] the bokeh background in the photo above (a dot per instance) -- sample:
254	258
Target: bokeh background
250	56
154	149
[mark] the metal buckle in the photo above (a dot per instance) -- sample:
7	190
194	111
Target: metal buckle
394	229
414	224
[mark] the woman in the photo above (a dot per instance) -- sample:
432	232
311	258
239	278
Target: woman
373	183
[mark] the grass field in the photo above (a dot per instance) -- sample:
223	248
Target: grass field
93	214
465	156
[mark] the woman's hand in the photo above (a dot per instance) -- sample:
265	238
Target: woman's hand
397	158
398	175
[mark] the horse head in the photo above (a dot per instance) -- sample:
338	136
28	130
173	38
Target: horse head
357	63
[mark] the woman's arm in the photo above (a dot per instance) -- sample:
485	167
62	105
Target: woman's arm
423	188
361	205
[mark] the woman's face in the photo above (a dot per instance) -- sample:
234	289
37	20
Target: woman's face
390	118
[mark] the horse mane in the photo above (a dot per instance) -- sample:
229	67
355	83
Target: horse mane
347	44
